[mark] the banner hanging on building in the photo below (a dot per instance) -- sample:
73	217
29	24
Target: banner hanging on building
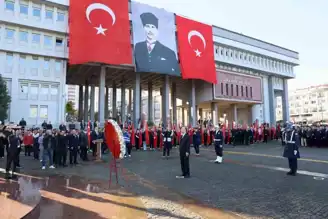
196	54
154	40
99	32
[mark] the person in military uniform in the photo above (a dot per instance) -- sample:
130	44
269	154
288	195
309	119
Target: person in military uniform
218	143
292	143
151	55
168	136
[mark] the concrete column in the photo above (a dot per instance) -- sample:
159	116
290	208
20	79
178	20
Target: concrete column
183	116
165	95
80	103
141	109
174	103
150	102
136	100
130	102
101	113
235	113
266	99
214	113
272	109
123	106
106	103
92	103
86	102
192	105
114	100
285	102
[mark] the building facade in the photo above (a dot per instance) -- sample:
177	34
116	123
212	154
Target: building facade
34	53
308	104
33	56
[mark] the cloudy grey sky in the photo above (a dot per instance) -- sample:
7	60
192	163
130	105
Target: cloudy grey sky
300	25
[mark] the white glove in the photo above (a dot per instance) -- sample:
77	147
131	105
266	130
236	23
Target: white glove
187	154
295	152
220	146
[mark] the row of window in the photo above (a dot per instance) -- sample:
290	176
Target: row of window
38	111
24	37
253	59
34	64
35	91
233	90
35	11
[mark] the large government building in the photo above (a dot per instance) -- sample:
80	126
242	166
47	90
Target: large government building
34	46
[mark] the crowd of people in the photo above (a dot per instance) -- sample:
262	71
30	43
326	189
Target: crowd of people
53	147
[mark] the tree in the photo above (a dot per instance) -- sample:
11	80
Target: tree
70	108
5	100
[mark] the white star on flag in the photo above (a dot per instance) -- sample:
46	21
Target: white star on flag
101	30
197	52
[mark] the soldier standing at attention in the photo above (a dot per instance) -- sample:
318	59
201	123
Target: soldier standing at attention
218	142
292	143
196	140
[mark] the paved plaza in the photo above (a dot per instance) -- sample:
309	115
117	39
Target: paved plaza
251	183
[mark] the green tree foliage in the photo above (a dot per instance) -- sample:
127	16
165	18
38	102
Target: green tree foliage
70	108
5	100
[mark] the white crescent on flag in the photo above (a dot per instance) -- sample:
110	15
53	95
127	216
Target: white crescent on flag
198	34
99	6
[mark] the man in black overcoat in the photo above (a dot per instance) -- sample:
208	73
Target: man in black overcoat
184	154
151	55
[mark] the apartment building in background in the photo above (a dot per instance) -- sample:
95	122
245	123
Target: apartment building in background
307	104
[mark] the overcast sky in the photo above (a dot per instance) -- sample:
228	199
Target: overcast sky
299	25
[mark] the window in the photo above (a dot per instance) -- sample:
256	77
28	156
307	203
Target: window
22	64
47	41
9	59
45	91
60	16
23	9
231	88
221	88
227	89
34	90
246	91
10	33
36	38
242	90
54	92
49	14
35	65
36	12
23	36
251	92
23	91
10	5
237	90
46	64
44	112
58	65
33	111
59	42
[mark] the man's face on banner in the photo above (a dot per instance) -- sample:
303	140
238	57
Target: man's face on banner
151	32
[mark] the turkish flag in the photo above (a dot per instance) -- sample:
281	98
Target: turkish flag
99	32
196	50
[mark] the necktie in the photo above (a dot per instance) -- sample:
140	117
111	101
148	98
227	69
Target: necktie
149	48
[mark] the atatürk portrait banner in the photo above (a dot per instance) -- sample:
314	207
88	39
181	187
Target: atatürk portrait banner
154	40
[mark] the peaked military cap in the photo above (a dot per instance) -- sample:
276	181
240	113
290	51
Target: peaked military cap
149	18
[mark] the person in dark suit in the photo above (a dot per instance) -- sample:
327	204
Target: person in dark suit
73	144
184	154
151	55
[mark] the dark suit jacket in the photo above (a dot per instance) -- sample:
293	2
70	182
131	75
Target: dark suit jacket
185	145
161	59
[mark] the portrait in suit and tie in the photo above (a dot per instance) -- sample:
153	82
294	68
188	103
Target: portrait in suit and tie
151	54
